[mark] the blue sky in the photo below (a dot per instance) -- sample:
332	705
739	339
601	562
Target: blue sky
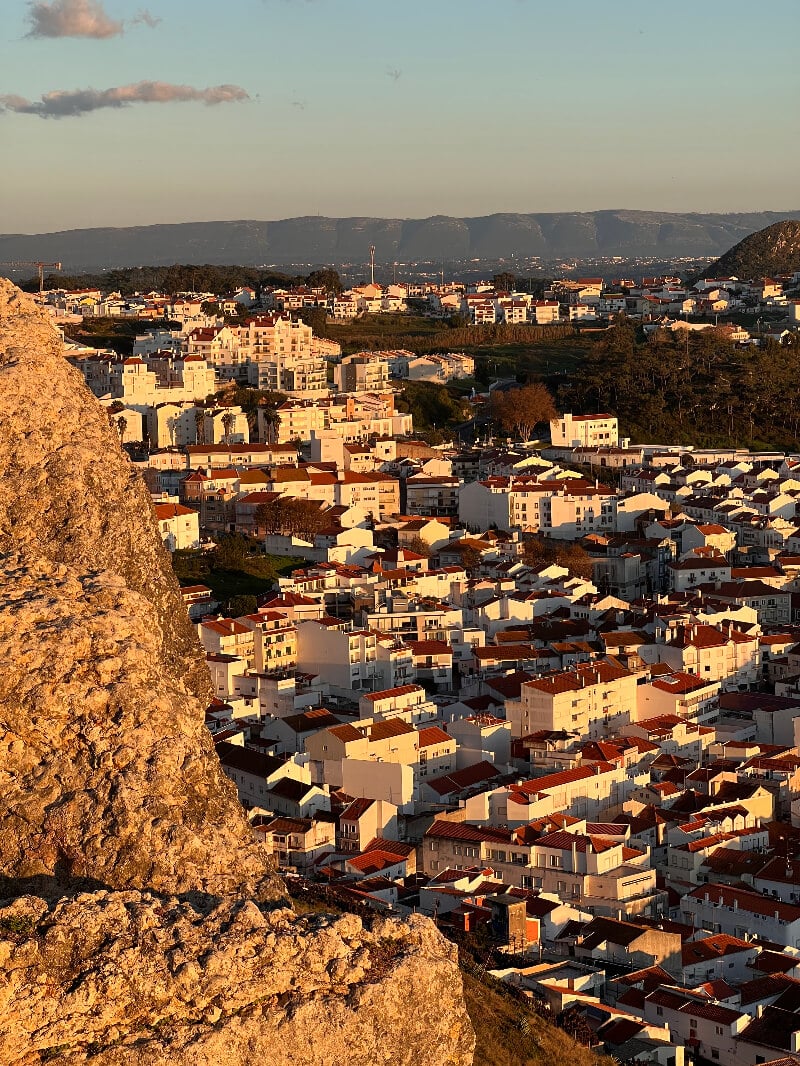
343	107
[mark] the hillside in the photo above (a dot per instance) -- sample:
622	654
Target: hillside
770	251
316	239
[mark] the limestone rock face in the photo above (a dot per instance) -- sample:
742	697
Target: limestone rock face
140	921
67	490
123	979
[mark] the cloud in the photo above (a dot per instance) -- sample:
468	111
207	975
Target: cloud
67	103
144	18
72	18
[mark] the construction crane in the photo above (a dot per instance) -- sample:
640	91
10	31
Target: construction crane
40	266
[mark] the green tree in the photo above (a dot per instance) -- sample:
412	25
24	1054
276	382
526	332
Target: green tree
240	605
505	281
228	422
327	279
418	545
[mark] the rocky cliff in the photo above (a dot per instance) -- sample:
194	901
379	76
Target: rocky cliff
140	922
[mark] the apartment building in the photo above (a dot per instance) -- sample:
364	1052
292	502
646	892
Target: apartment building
363	372
344	657
592	700
584	431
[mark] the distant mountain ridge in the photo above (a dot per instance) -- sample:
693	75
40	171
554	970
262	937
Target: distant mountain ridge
774	250
316	239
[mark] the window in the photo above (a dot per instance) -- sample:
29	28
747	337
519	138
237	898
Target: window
715	1053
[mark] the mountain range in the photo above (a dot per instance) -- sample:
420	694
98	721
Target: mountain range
315	240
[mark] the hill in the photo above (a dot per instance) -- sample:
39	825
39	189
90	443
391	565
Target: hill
770	251
316	239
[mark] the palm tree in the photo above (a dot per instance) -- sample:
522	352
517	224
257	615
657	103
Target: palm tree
200	425
122	425
228	422
271	422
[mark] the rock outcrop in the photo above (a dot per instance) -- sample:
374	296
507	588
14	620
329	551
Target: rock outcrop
140	922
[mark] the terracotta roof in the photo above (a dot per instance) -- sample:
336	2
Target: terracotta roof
391	693
752	902
433	735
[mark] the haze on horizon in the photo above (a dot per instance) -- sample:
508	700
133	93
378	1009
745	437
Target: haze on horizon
115	115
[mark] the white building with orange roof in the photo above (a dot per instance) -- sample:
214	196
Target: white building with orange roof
584	431
179	526
725	654
226	636
343	656
274	640
593	699
678	693
586	791
408	703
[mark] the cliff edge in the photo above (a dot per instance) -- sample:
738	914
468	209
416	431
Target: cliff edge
140	922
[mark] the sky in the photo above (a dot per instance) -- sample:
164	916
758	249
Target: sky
133	112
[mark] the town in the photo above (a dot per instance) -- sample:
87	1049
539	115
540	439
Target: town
542	689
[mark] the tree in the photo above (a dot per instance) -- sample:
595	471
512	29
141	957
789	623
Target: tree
290	517
122	425
470	557
505	281
242	605
200	425
418	545
327	279
520	410
272	421
539	551
228	422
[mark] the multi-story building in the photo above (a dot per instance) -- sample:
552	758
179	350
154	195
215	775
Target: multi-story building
584	431
591	700
342	656
364	372
179	526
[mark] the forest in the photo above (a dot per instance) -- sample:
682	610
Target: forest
696	387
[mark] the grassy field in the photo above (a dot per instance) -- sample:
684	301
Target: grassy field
508	1034
381	331
225	582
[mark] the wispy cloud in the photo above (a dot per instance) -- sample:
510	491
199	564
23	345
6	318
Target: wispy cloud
144	18
69	103
72	18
